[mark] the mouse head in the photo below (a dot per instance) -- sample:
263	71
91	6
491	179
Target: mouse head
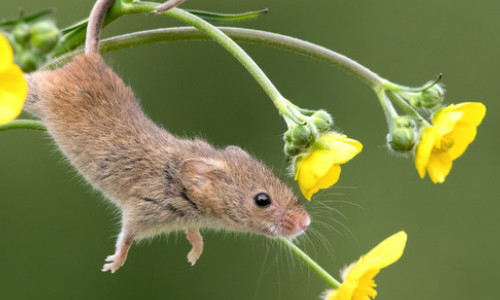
241	194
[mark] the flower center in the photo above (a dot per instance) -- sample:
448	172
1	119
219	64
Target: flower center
365	289
445	144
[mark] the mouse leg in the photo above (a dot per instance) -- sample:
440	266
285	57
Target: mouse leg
196	240
115	261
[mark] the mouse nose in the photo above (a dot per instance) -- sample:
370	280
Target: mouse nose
303	223
294	224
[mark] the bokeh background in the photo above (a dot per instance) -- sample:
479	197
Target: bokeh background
55	231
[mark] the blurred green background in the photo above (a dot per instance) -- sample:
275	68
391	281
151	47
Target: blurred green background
56	231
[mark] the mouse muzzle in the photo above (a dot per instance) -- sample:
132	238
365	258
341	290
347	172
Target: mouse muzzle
290	224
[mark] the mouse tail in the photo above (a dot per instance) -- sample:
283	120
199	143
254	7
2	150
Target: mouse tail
96	19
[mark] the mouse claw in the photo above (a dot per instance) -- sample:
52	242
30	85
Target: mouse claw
196	240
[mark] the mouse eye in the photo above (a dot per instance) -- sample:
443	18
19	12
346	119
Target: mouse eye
262	200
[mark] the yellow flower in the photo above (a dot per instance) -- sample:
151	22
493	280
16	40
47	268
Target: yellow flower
13	86
358	283
320	168
453	129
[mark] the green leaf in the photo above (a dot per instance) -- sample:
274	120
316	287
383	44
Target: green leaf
28	18
226	18
76	26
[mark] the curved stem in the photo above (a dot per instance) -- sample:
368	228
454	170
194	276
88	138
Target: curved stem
23	124
238	34
311	263
410	110
216	34
389	111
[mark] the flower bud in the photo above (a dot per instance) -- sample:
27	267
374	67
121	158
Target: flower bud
292	149
432	96
287	136
21	34
322	120
301	134
26	60
402	139
44	36
405	122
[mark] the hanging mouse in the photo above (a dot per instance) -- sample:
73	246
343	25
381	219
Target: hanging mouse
160	183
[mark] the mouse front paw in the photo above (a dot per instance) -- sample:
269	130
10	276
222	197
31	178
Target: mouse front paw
195	239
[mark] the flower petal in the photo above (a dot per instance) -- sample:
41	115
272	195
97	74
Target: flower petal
444	122
319	169
317	164
463	135
385	253
308	191
6	55
359	284
330	178
311	169
332	136
439	166
345	150
424	150
472	112
13	91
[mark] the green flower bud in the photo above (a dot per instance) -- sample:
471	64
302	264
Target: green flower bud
44	36
21	34
292	149
304	136
27	60
287	136
402	139
301	134
415	101
323	120
432	96
405	122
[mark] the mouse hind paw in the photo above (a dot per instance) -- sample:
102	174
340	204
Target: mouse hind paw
115	261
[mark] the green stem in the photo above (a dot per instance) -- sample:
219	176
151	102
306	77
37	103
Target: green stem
311	263
389	111
406	106
23	124
242	35
341	61
216	34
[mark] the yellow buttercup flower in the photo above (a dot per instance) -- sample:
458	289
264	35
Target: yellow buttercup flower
13	86
358	280
320	167
453	129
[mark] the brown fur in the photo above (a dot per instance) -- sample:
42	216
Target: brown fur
160	182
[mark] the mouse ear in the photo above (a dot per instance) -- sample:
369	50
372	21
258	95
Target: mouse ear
196	173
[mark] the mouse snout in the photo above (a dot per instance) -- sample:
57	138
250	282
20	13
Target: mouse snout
294	224
304	222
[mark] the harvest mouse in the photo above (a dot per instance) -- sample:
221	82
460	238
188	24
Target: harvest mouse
159	182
